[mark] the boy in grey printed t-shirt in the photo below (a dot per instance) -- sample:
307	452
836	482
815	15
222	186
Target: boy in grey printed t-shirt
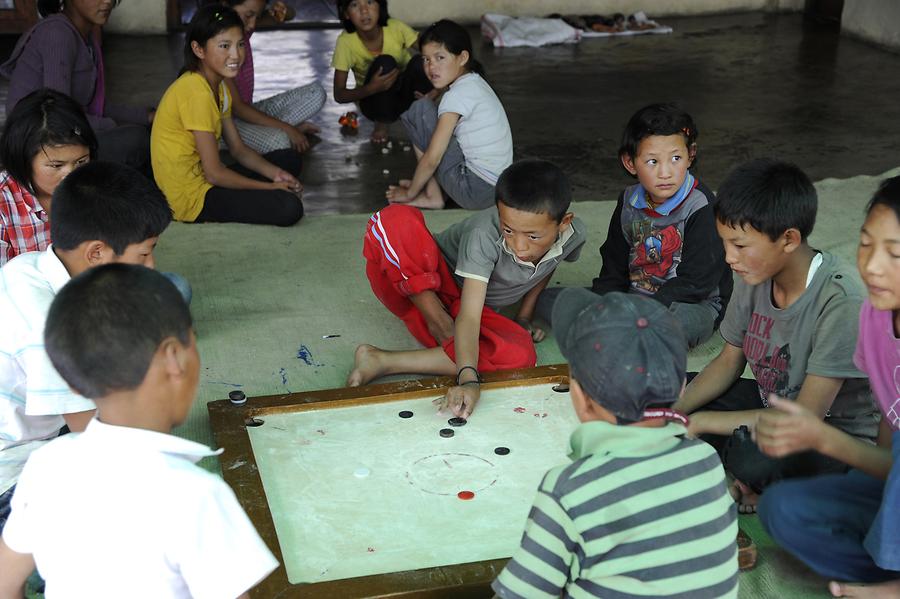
792	318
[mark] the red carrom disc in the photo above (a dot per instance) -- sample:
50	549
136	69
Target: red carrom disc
466	495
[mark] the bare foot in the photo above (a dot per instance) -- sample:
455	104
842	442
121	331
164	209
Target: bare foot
367	366
380	133
426	202
744	496
407	183
884	590
307	127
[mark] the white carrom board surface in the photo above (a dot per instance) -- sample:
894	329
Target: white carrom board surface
356	491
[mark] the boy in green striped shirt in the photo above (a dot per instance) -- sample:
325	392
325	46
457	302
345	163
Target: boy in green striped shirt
641	511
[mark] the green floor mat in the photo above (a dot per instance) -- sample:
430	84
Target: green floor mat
268	303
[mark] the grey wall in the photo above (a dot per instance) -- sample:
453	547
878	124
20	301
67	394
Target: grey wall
149	16
874	20
423	12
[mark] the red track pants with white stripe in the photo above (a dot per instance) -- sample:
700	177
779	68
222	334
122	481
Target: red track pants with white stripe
403	259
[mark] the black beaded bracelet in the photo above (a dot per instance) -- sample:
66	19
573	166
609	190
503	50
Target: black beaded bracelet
473	369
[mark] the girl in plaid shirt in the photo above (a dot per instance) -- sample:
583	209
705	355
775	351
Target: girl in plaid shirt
46	137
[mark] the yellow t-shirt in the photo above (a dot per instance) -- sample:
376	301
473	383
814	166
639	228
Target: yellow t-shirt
351	53
188	105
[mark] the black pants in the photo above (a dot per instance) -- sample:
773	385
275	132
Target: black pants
742	457
255	206
126	144
387	106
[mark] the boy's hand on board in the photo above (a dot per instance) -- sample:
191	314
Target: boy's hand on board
460	400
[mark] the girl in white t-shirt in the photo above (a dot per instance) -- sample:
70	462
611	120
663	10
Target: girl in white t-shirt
464	142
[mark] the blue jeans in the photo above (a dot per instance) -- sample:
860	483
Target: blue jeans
843	526
184	288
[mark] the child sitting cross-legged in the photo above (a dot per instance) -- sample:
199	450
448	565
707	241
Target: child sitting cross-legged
642	511
446	287
121	509
662	240
194	114
793	318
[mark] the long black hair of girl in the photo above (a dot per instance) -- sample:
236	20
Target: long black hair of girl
208	22
455	38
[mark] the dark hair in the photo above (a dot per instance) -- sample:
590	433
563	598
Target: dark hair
208	22
769	195
109	202
657	119
455	38
343	5
536	186
105	325
51	7
45	117
887	195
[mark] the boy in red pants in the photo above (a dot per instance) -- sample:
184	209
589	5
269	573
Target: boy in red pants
446	287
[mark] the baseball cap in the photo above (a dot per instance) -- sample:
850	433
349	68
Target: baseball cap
626	351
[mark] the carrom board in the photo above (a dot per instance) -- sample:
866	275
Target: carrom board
357	501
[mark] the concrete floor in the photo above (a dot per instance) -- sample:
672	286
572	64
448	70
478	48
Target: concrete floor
756	84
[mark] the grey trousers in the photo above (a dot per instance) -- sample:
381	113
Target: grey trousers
292	107
465	187
698	321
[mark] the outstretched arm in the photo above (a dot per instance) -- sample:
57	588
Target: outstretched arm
221	176
789	427
461	399
430	160
713	380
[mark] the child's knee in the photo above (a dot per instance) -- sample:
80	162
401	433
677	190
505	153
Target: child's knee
288	211
780	507
316	95
400	217
385	62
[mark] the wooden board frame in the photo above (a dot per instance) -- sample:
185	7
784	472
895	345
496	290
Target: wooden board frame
240	471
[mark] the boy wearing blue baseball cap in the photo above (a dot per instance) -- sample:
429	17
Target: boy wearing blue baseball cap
641	510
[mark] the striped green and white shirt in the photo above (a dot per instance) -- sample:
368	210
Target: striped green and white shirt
641	512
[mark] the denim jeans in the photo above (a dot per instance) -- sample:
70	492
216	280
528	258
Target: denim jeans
843	526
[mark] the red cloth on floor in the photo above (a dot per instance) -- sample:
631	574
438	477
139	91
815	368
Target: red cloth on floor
403	259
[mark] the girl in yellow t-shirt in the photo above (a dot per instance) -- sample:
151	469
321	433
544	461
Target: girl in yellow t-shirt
377	49
194	114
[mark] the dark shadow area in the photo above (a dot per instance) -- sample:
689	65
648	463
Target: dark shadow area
756	84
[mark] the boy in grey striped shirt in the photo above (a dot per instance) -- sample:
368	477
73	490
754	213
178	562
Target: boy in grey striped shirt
642	511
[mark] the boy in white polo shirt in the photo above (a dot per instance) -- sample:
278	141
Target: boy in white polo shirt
121	510
102	212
